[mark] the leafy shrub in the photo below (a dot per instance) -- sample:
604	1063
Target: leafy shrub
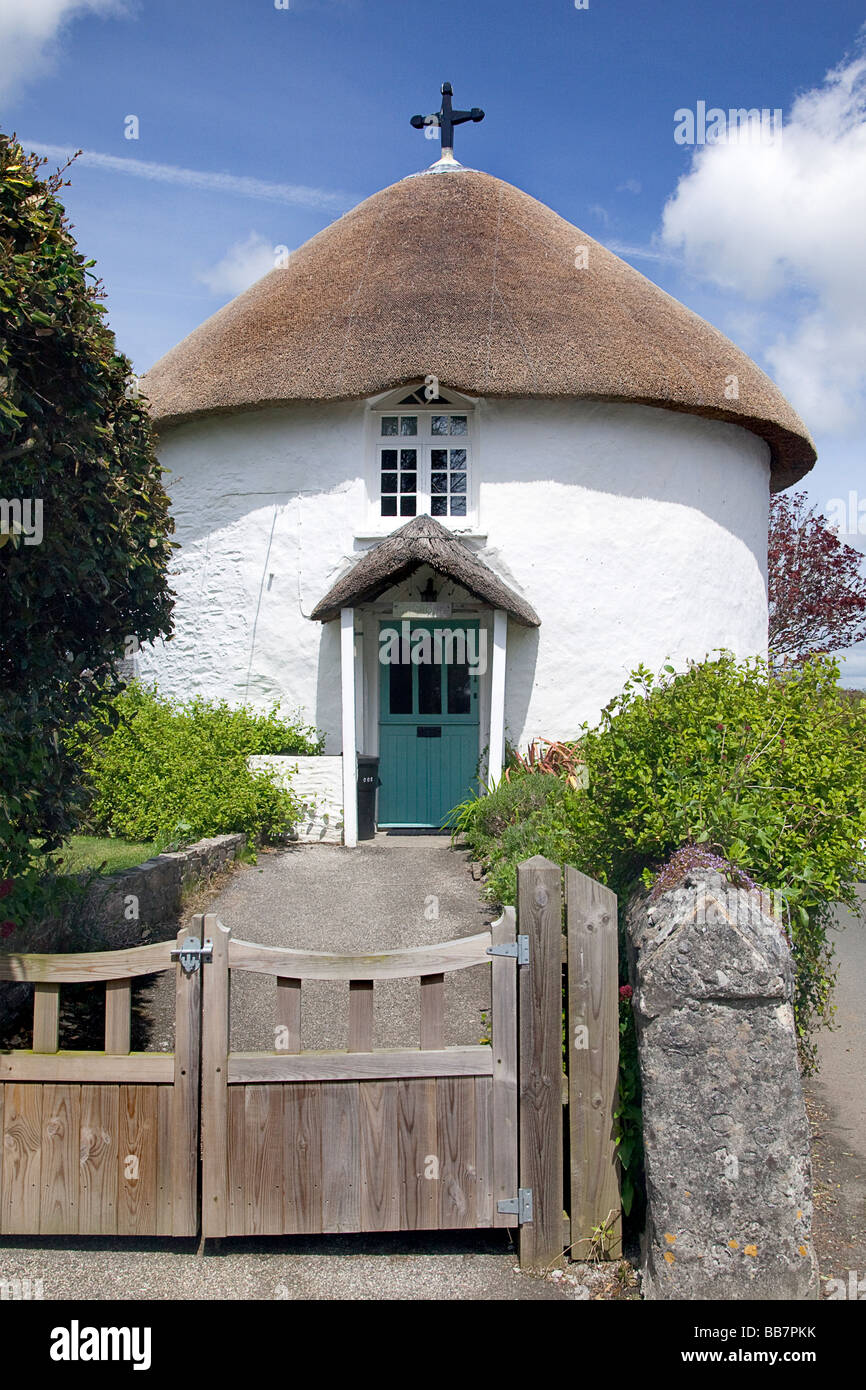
766	773
155	765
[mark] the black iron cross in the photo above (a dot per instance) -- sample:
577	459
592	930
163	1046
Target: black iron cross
446	119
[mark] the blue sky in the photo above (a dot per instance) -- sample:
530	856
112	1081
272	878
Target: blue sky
259	125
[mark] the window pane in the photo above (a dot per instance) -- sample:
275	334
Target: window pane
458	506
408	482
438	506
389	506
439	482
408	458
440	424
439	458
407	506
458	424
400	681
389	424
458	458
389	482
458	482
458	689
389	458
408	424
430	689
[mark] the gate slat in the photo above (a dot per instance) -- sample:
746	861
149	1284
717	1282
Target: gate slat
360	1015
484	1151
236	1202
46	1017
165	1161
302	1120
380	1197
22	1166
593	1060
118	1016
289	1013
185	1101
137	1161
340	1156
98	1149
539	900
432	1011
503	1022
263	1110
58	1215
418	1155
214	1100
455	1098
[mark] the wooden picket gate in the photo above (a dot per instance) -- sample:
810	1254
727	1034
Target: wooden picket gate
100	1143
291	1141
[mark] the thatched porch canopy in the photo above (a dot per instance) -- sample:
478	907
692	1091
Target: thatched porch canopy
422	542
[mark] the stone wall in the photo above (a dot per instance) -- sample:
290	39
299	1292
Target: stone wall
318	782
727	1139
130	904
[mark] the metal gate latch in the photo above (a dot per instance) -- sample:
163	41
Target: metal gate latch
518	948
519	1206
192	953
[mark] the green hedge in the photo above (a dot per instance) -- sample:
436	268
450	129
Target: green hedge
162	769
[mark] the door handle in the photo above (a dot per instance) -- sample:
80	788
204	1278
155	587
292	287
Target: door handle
429	731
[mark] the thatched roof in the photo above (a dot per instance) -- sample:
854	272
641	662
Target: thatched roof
464	276
422	541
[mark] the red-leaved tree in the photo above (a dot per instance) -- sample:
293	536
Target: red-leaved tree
817	589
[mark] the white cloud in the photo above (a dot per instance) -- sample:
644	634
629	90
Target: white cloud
231	184
30	31
788	217
243	264
630	186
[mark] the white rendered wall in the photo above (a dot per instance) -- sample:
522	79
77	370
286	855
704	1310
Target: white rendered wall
637	534
318	783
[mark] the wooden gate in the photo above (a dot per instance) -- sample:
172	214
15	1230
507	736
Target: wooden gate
421	1138
100	1143
425	1137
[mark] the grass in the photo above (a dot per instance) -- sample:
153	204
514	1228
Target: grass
83	852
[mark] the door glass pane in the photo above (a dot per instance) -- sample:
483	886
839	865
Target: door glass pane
459	689
408	424
400	678
430	689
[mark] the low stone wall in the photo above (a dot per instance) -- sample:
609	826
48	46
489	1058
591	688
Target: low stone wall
318	782
123	910
727	1140
129	904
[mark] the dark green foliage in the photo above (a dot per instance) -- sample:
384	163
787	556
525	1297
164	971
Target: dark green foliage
74	439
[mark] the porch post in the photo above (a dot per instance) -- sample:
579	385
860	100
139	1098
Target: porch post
350	761
496	751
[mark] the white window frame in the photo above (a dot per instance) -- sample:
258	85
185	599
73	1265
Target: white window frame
449	403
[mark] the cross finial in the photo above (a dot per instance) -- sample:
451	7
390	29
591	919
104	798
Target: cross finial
446	118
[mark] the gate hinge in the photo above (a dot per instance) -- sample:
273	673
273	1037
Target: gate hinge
518	948
192	953
519	1206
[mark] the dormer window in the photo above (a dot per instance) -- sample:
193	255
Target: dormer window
423	458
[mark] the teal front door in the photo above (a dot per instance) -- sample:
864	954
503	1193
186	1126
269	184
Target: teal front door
428	722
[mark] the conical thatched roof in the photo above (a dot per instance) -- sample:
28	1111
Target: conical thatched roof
422	541
462	275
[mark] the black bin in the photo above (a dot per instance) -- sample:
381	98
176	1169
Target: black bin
368	781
